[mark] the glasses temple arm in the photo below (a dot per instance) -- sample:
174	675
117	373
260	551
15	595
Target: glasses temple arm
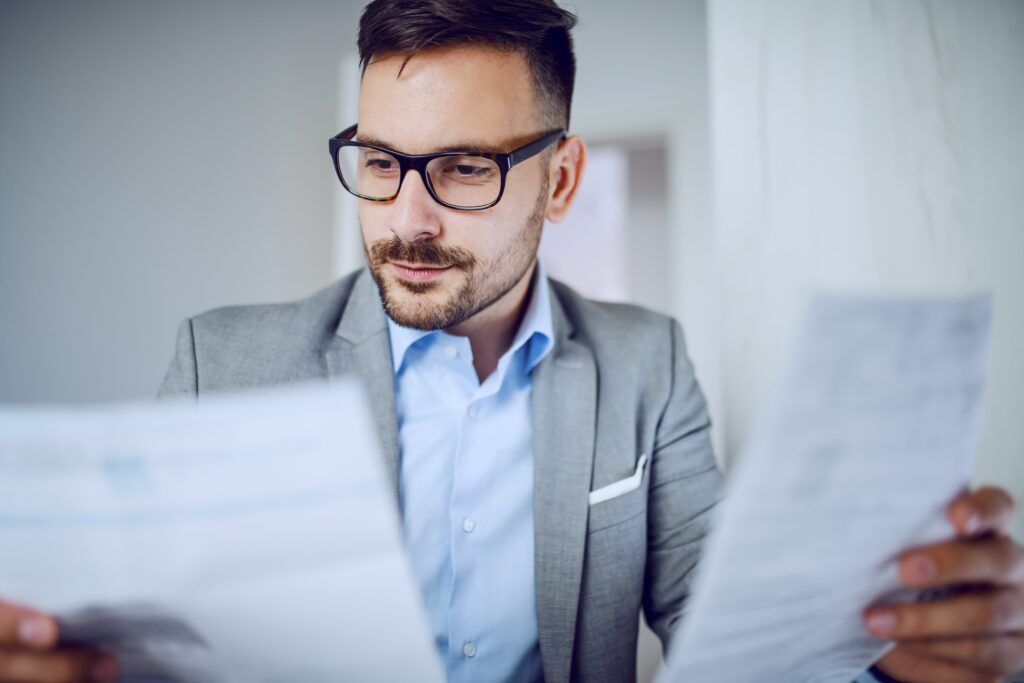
533	148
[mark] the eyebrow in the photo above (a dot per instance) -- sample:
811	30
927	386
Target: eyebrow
463	147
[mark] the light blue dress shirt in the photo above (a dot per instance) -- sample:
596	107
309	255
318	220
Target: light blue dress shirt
466	489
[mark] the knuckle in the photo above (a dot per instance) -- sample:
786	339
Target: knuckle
986	611
1002	609
1014	562
998	555
978	650
943	558
912	619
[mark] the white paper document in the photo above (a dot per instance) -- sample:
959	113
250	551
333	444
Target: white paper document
868	438
250	538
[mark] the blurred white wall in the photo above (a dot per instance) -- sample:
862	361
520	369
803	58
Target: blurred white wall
158	159
868	145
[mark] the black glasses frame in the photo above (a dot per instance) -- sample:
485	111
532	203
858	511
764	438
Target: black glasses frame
418	163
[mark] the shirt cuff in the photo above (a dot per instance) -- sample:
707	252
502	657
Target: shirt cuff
873	675
866	677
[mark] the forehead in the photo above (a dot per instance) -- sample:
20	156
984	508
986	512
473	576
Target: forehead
448	97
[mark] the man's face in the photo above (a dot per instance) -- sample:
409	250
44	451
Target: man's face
435	266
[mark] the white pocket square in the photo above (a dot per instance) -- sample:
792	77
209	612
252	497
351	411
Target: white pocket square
622	485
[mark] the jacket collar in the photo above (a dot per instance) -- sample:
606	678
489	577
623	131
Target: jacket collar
564	437
564	413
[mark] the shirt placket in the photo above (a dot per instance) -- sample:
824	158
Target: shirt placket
465	523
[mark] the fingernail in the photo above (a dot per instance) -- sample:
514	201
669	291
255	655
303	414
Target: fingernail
104	670
881	622
919	568
33	630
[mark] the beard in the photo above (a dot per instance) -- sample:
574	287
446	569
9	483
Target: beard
426	305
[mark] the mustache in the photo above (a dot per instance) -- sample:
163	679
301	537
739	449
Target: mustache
424	253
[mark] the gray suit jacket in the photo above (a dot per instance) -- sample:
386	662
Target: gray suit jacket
616	385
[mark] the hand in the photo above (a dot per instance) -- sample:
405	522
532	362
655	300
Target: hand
29	652
975	635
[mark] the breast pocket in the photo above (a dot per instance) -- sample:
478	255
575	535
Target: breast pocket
619	501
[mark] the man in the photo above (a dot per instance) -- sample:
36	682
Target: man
550	455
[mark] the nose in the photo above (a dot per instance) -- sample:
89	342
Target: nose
415	213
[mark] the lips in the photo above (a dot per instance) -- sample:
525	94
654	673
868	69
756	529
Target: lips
418	273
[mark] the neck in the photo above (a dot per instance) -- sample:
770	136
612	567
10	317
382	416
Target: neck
492	330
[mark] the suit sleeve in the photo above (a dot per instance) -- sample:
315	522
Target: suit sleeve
685	486
181	378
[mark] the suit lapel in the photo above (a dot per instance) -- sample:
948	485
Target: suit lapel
361	347
564	424
564	416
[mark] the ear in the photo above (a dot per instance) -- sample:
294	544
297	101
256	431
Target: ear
565	173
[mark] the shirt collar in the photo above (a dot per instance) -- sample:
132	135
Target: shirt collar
536	329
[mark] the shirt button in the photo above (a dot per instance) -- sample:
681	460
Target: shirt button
473	411
468	525
469	649
451	351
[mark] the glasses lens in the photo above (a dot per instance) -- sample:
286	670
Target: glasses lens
369	172
465	181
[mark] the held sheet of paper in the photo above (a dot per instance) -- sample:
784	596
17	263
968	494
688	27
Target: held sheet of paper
251	538
869	437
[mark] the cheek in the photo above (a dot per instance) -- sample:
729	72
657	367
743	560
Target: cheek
500	247
471	233
524	182
372	221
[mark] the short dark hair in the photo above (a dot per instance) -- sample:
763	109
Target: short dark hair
539	29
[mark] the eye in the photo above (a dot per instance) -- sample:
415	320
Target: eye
469	170
377	162
380	164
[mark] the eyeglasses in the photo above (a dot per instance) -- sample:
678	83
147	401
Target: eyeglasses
467	180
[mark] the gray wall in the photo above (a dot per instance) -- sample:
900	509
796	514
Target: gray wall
158	159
